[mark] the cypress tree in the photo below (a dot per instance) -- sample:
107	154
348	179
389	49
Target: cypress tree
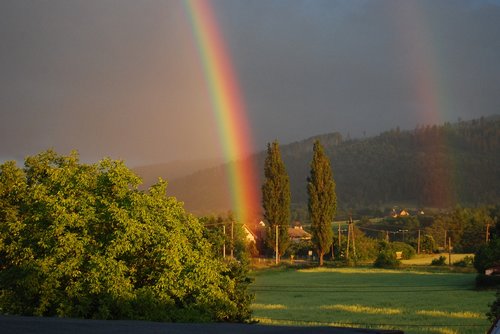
276	199
322	203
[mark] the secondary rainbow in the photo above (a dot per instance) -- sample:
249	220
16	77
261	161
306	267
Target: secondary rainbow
430	89
228	107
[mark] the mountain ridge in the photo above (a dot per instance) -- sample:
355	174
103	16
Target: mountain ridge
438	165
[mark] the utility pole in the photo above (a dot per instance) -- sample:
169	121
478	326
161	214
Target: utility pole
449	251
348	240
403	234
340	243
232	240
445	238
350	235
224	244
353	241
418	243
277	256
487	233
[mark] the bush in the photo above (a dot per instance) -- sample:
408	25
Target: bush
441	261
487	256
386	259
465	262
494	312
408	251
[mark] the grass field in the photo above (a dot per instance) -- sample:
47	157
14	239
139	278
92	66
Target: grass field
426	259
413	301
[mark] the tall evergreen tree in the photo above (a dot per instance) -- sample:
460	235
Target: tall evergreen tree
322	202
276	199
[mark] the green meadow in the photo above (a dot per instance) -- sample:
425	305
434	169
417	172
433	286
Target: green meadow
414	301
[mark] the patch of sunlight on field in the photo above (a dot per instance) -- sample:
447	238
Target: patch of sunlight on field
441	330
362	271
462	315
361	309
426	259
269	307
283	322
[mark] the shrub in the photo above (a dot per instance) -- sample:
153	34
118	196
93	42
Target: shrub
494	312
408	251
441	261
465	262
487	256
386	259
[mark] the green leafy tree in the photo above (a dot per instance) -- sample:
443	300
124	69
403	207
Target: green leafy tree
322	203
276	199
427	244
81	240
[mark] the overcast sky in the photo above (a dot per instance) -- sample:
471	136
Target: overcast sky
123	78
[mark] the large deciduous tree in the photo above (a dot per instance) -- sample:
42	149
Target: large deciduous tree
80	240
276	199
322	202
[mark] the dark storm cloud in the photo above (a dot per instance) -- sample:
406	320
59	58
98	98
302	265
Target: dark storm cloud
123	78
320	66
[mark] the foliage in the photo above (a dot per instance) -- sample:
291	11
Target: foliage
441	261
436	166
465	262
363	249
408	251
322	202
80	240
487	256
427	244
234	237
276	198
300	249
494	312
386	257
426	153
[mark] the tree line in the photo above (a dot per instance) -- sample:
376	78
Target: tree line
430	166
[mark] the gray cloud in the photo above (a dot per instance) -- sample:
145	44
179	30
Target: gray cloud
123	78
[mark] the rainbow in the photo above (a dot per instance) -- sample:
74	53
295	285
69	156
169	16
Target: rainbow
228	107
429	82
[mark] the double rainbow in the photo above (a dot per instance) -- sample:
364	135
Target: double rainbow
228	107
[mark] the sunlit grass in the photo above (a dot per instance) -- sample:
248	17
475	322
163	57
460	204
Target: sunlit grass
268	306
282	322
426	259
443	303
361	309
362	271
463	315
441	330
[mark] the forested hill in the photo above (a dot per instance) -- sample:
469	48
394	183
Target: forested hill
438	166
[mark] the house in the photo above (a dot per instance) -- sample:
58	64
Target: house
404	213
250	236
297	233
493	271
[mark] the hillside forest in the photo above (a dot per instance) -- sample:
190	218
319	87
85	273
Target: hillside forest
438	166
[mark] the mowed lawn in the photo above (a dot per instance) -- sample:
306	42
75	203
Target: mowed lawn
413	301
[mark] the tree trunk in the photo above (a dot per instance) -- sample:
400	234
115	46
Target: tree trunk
320	255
